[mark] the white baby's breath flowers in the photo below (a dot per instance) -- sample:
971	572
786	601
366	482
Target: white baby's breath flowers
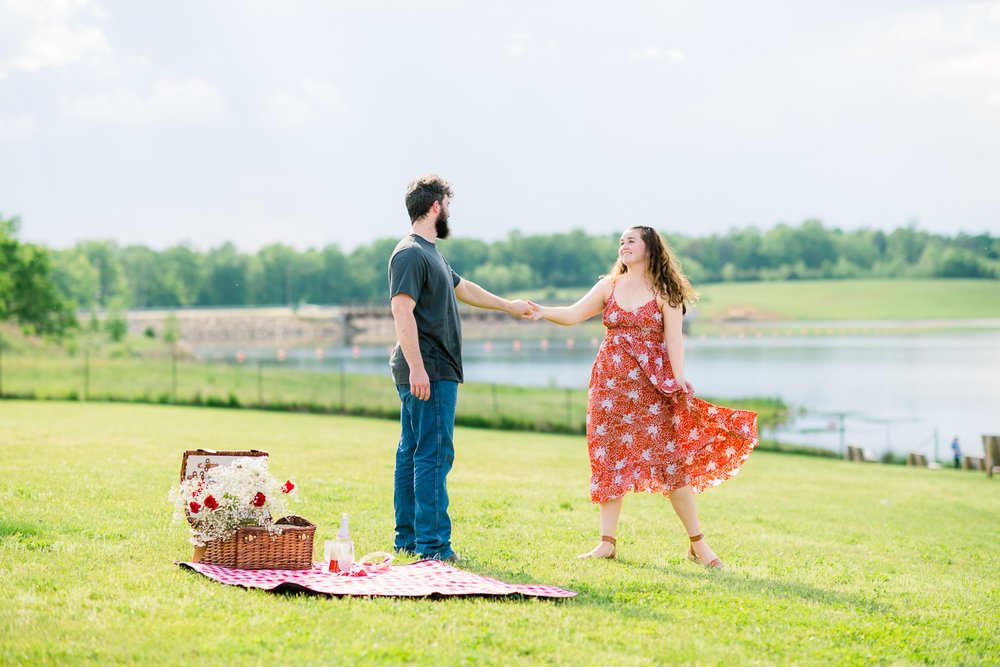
231	496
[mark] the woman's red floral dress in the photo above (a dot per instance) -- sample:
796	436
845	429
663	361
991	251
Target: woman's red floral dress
643	432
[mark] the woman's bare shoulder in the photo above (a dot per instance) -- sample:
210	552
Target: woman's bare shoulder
665	306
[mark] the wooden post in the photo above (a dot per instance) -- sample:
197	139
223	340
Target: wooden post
991	448
842	432
973	462
343	384
496	405
86	372
173	376
569	410
260	384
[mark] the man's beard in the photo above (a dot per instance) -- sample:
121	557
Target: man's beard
441	226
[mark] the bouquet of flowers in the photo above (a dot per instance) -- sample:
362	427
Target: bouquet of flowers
229	497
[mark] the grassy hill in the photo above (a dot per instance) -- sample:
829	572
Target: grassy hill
828	562
853	300
836	299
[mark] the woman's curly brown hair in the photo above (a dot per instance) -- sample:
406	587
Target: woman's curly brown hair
669	280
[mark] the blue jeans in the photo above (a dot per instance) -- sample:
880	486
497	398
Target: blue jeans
423	459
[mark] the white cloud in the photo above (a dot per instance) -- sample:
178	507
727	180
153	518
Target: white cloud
975	75
189	100
947	51
18	128
35	34
648	53
983	64
313	100
656	53
518	45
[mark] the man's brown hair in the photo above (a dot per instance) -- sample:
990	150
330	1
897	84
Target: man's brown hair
421	194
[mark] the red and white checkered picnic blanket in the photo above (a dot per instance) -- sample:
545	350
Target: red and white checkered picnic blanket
426	577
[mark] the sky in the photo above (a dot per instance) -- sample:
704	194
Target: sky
301	122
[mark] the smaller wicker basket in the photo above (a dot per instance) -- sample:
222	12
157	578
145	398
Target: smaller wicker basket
253	548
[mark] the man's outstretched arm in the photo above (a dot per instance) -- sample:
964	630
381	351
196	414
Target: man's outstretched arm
474	295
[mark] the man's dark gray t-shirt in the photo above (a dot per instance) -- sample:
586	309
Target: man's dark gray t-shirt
418	268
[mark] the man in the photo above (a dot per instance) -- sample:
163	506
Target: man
956	452
427	367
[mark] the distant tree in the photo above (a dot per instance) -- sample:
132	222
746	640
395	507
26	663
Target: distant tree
227	274
105	257
502	278
28	293
334	279
369	271
273	276
962	263
307	279
148	279
171	328
465	255
76	277
115	324
560	260
906	244
858	248
183	275
814	246
747	254
97	273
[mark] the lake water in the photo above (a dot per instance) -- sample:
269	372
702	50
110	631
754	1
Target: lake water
900	393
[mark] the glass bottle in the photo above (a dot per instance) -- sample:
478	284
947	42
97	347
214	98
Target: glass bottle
330	551
345	548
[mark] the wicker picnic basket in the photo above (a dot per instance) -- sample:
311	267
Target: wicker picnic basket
253	548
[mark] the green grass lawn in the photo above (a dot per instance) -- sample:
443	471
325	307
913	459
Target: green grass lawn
47	371
828	562
838	299
855	299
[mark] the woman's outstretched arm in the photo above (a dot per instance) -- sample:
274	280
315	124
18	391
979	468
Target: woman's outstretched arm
673	336
591	304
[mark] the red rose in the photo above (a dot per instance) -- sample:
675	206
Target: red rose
211	503
287	488
259	500
194	507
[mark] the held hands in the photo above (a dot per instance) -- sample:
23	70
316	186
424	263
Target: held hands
536	311
526	310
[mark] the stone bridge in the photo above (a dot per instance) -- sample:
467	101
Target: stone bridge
281	326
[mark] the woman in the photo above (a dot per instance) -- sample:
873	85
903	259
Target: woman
645	429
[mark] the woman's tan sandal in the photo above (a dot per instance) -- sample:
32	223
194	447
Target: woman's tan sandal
614	548
693	557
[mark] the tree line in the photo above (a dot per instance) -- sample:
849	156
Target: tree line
105	275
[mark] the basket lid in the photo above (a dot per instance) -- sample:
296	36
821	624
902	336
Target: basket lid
197	462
